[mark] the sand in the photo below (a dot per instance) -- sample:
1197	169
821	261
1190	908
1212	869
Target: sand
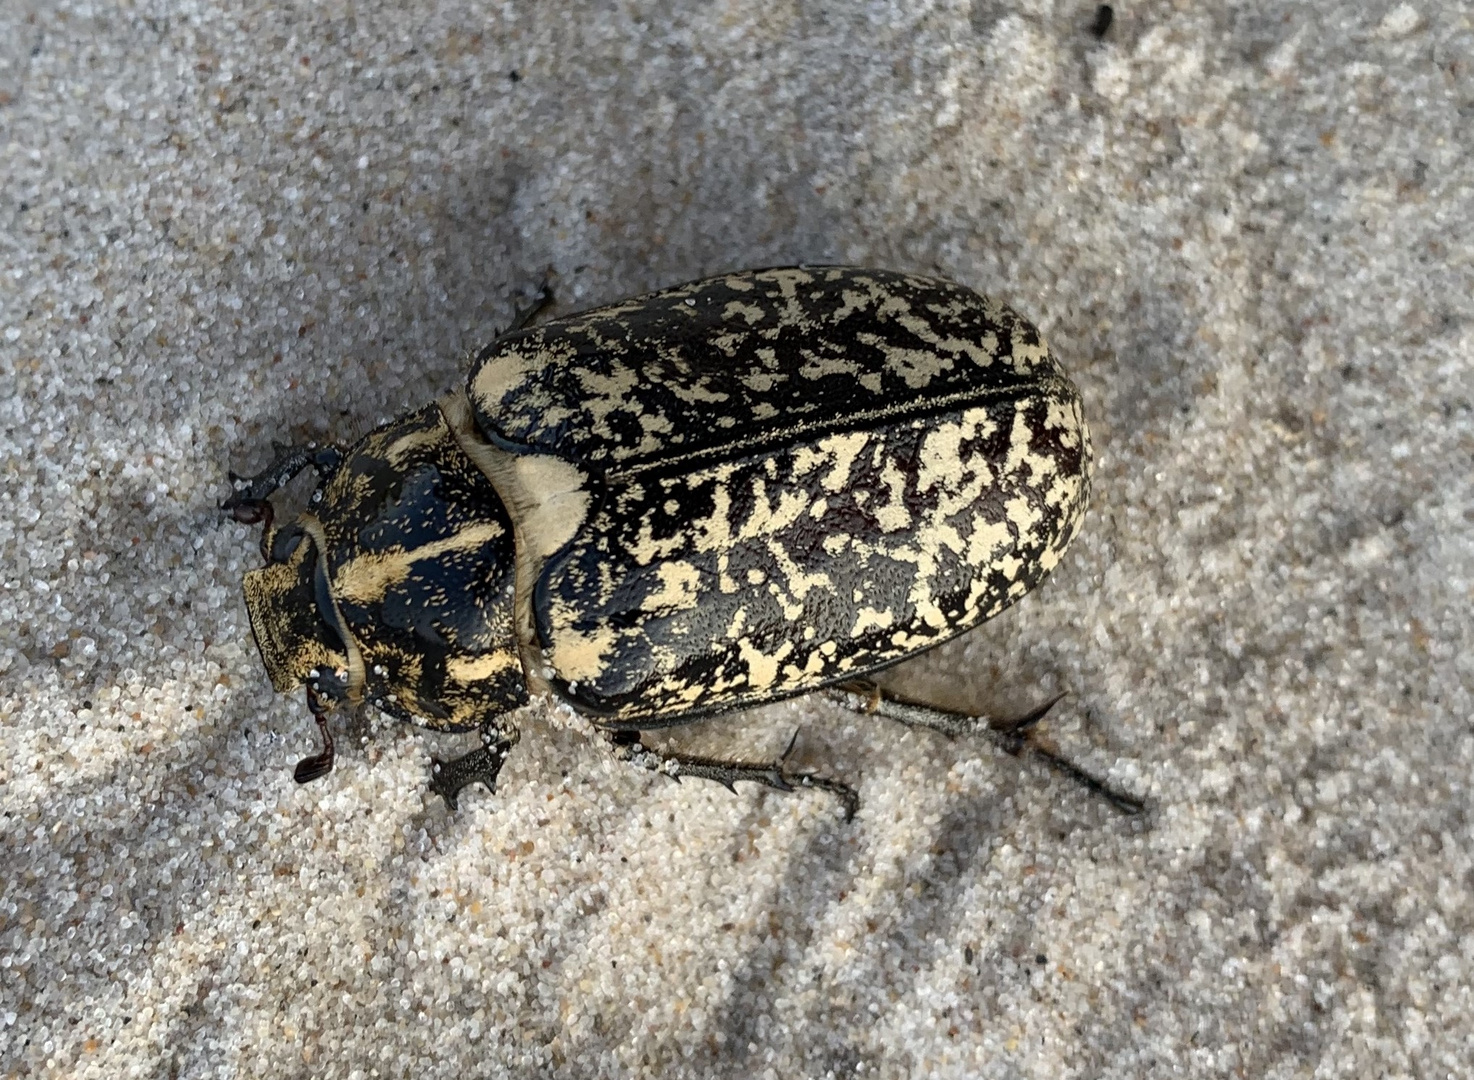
1247	233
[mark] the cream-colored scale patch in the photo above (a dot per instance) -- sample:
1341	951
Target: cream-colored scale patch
508	370
751	314
806	459
915	367
766	519
987	539
872	619
798	581
1025	356
893	516
548	501
762	382
835	543
981	352
405	448
794	312
812	668
474	669
1021	512
365	579
680	588
1020	453
853	301
729	345
940	458
844	450
646	549
1009	566
697	393
1064	416
575	655
716	531
762	668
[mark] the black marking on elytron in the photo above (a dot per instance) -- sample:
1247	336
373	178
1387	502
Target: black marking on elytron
421	561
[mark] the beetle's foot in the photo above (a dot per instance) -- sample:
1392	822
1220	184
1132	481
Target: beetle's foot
1013	735
1010	736
524	316
318	765
629	747
249	511
251	491
479	766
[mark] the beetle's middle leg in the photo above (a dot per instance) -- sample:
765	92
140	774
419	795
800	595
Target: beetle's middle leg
629	747
1011	736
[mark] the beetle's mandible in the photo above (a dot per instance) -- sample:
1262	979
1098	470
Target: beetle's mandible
707	498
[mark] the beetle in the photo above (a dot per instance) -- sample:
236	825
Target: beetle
710	497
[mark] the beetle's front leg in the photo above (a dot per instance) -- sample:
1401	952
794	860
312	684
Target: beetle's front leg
629	747
479	766
251	492
524	316
250	502
1011	736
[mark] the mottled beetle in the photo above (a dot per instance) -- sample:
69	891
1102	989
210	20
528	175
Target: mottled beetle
703	499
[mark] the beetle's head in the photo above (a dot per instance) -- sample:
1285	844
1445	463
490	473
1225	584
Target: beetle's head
296	625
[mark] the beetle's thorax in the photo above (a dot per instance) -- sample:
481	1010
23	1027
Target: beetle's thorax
408	557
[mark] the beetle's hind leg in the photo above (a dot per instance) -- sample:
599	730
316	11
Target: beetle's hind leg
1011	736
629	747
479	766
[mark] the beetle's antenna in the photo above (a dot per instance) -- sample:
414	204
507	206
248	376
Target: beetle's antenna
318	765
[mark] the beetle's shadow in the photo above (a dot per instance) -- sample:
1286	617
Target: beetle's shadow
902	946
396	342
85	855
785	976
